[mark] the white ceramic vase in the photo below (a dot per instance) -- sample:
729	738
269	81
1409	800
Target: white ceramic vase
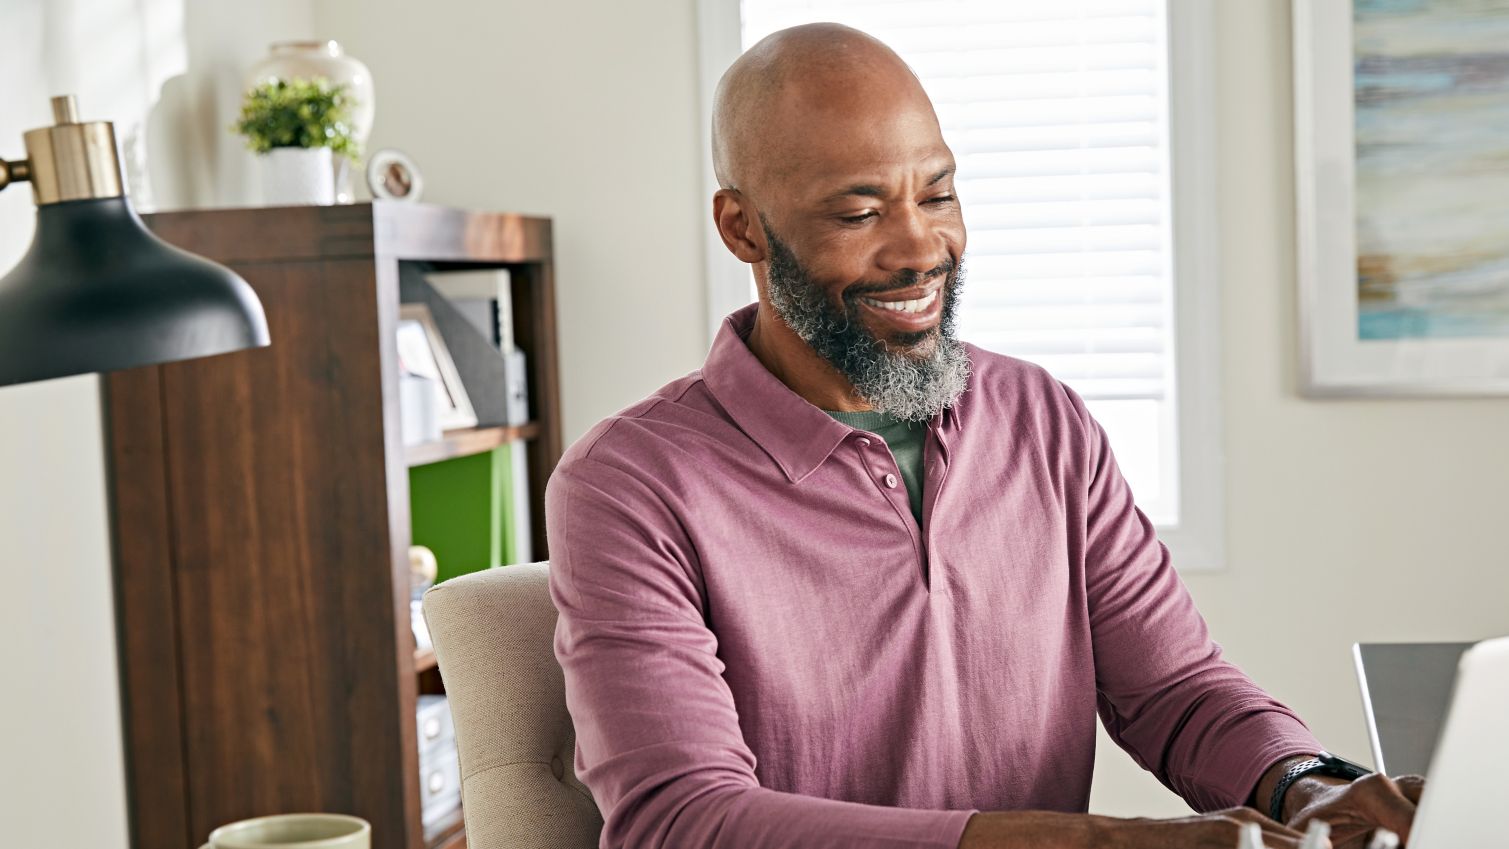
292	176
289	60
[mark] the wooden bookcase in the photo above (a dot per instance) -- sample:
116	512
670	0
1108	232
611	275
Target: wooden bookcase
260	522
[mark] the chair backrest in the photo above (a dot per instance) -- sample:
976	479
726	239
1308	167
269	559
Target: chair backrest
493	633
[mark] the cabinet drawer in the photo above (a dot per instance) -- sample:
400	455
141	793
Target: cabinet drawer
434	724
439	786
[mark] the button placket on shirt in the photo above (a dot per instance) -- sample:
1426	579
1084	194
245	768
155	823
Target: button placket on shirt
883	475
889	482
935	459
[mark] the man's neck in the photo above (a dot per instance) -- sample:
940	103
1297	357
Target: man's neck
794	363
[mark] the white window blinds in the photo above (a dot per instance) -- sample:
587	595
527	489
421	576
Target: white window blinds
1057	114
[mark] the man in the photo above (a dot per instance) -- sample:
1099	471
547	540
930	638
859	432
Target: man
856	583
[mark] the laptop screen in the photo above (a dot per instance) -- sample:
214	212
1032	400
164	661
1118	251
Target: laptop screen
1406	689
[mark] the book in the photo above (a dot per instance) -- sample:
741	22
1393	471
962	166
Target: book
485	297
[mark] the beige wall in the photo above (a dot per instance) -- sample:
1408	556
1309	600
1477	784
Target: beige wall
1348	520
59	702
61	762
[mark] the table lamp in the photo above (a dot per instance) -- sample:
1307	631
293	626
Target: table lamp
96	291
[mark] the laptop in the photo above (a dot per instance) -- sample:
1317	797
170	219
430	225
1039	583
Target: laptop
1468	767
1406	688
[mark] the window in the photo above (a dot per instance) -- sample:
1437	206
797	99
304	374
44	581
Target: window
1060	116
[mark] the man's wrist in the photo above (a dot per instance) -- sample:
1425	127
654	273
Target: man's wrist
1039	829
1262	795
1303	791
1299	793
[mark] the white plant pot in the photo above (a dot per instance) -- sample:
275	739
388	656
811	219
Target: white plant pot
291	60
297	175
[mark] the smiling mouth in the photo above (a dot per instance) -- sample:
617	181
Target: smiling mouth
915	305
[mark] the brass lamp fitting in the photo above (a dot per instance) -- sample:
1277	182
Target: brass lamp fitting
68	161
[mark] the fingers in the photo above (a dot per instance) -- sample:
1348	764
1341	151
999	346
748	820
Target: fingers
1217	830
1411	786
1386	804
1276	835
1350	835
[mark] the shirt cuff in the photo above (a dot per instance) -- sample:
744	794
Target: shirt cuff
1263	759
951	828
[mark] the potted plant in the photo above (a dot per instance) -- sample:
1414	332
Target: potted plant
298	126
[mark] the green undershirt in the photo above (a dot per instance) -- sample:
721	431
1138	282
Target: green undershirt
905	440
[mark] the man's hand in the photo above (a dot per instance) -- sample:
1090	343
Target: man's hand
1219	830
1355	810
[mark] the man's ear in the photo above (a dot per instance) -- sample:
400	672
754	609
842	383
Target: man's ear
736	226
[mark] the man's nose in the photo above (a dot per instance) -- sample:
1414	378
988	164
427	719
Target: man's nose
911	243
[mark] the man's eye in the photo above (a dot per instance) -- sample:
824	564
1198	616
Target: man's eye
857	219
941	199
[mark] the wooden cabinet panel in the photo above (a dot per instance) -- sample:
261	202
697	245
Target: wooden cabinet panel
260	521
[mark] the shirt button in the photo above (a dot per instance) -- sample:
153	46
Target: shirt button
865	442
890	481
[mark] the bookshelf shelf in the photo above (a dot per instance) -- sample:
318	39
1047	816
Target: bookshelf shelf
449	834
469	441
262	514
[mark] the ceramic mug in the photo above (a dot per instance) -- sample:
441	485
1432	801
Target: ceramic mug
294	831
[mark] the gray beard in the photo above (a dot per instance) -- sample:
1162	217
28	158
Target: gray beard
889	380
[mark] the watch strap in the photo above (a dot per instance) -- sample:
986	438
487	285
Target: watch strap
1325	764
1294	773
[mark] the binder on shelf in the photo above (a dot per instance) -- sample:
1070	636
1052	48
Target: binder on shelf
518	543
474	511
516	407
455	511
484	369
485	297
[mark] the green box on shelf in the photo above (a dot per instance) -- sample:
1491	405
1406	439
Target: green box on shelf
461	508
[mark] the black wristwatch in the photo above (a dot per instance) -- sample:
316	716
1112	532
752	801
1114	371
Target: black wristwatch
1323	764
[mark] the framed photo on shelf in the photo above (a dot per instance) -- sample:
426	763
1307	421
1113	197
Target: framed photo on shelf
392	175
1402	194
422	352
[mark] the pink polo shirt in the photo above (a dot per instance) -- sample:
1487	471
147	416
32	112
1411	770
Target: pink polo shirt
762	648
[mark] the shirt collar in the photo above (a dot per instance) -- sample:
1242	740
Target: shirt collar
796	434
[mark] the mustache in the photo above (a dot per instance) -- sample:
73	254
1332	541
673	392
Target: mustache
905	279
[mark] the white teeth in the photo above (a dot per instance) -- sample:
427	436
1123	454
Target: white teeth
917	305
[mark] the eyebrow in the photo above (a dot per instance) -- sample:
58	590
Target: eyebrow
873	191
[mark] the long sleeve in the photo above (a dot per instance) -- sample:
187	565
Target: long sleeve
1165	693
658	735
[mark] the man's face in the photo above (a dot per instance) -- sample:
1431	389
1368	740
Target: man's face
865	256
913	378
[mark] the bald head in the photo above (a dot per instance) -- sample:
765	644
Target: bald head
837	188
795	84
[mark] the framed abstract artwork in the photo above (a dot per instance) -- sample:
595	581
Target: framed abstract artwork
1402	193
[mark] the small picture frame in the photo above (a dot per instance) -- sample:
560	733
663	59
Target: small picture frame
392	175
422	351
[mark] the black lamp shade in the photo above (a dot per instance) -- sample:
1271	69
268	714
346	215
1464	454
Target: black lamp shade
98	292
